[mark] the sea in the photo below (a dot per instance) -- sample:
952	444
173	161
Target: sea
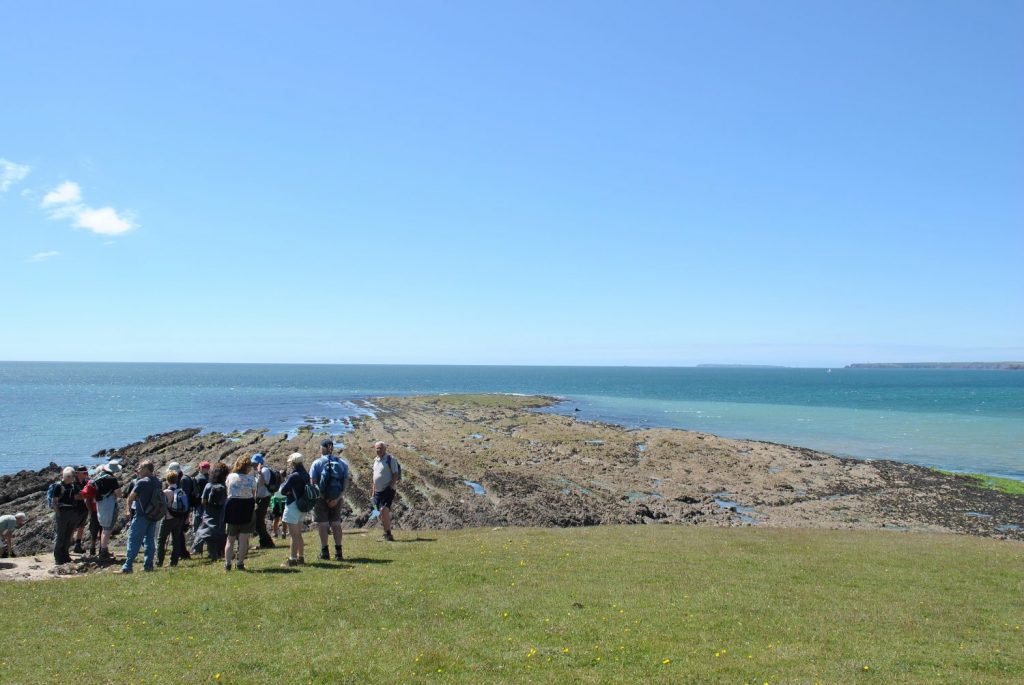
960	420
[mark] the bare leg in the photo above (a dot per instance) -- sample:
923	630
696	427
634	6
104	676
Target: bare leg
298	544
385	519
243	547
229	550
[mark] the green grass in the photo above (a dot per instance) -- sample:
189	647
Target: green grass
623	604
1007	485
488	400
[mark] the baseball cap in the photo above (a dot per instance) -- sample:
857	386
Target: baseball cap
258	459
204	464
327	443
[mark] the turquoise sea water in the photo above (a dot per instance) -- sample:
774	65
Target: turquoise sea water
961	420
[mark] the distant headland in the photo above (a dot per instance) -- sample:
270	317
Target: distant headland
991	366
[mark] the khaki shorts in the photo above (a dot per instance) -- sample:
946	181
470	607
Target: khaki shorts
321	514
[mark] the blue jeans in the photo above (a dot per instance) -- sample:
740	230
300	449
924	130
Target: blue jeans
141	531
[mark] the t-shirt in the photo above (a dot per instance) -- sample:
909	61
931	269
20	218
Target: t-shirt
318	467
144	489
295	485
89	493
8	522
64	495
186	484
384	471
261	483
241	485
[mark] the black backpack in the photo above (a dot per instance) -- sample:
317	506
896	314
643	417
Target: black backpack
218	493
156	508
275	480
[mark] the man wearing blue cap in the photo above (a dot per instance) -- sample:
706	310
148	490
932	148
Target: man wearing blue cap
264	478
330	473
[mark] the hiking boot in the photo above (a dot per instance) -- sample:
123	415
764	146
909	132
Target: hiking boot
92	551
302	561
125	569
227	566
388	537
240	566
292	562
337	552
324	554
78	549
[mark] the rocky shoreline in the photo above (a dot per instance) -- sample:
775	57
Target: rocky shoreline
488	460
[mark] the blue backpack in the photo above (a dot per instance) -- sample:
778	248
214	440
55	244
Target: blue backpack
333	477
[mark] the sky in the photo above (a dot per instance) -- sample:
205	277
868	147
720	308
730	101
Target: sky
657	183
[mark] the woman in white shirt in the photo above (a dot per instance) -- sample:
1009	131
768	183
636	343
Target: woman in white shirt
239	510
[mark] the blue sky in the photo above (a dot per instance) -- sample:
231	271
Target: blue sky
670	183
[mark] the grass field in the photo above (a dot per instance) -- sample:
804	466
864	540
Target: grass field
981	480
625	604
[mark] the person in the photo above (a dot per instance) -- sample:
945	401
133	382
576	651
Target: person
386	474
89	497
330	473
266	483
186	485
277	504
211	528
81	508
239	511
201	480
107	489
177	511
146	501
294	487
8	522
66	494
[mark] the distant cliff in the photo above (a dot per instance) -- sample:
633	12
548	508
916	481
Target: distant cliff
996	366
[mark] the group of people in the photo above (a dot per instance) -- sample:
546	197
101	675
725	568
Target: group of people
223	506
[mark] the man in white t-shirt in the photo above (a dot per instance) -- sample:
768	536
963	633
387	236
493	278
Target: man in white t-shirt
386	474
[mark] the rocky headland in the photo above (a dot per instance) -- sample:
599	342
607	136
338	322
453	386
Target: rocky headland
492	460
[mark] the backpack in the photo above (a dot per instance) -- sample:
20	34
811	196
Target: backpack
49	495
105	484
218	493
307	500
332	478
394	467
275	479
156	508
179	503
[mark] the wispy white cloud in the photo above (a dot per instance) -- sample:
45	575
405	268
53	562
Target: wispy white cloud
42	256
65	202
11	173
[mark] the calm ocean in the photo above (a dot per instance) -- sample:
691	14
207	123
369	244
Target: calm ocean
961	420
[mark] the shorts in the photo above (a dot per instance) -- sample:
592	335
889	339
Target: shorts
384	498
106	512
292	514
277	507
321	514
236	529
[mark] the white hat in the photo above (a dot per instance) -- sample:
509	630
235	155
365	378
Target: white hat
174	466
295	458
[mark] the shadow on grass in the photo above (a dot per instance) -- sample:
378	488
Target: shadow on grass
290	569
335	565
367	560
416	539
